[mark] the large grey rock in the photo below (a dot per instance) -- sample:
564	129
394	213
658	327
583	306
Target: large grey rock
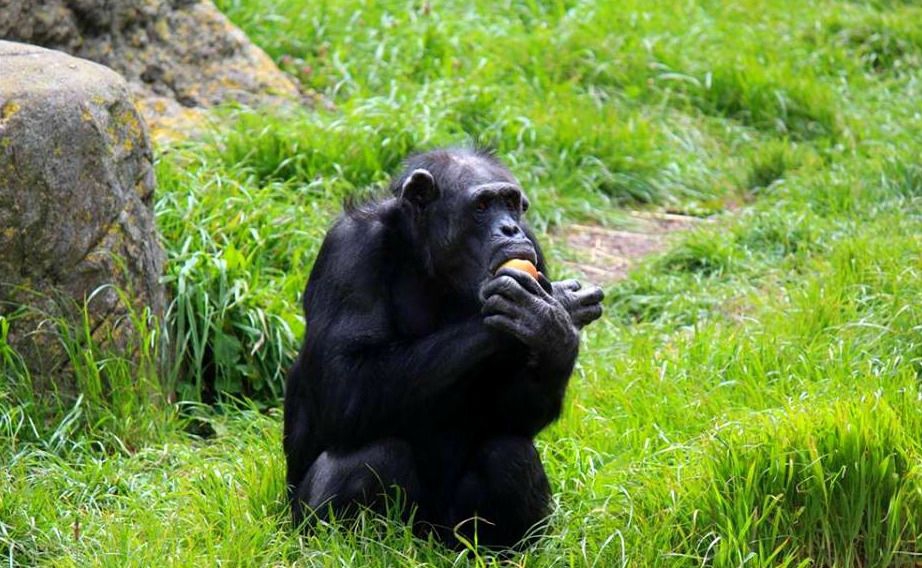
178	55
76	185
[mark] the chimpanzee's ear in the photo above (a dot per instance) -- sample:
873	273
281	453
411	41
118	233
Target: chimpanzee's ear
419	188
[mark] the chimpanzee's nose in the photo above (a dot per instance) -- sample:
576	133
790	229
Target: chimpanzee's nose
510	229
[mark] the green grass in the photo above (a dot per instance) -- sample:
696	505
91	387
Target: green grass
751	396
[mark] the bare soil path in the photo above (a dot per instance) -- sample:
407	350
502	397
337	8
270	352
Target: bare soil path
604	255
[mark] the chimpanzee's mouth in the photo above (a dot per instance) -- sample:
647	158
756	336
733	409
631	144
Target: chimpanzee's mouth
514	253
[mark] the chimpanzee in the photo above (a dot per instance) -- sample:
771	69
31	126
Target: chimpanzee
427	369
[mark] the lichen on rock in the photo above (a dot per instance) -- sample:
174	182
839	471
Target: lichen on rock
76	190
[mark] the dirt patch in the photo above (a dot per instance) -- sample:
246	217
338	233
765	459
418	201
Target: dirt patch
605	256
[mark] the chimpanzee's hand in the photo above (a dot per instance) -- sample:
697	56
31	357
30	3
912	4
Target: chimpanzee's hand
583	304
516	304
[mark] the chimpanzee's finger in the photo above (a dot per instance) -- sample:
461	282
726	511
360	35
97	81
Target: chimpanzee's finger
590	296
525	281
507	285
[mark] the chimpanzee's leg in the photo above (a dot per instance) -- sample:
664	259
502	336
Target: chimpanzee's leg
344	482
507	491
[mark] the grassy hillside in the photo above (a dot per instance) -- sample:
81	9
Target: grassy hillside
751	396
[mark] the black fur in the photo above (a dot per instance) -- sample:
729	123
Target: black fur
423	369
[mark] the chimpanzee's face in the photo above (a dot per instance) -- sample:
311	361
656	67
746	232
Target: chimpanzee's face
494	211
471	219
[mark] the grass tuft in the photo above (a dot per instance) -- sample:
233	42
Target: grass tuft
795	107
840	477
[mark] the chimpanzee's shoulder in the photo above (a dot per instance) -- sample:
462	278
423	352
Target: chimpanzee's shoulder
359	244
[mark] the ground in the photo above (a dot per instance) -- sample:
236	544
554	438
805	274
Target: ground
751	396
604	256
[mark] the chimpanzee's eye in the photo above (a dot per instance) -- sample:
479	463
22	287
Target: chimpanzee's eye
482	204
511	203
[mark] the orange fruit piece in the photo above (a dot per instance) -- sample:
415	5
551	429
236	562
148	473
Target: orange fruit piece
523	265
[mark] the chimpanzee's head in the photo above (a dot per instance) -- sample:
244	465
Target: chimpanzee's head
466	214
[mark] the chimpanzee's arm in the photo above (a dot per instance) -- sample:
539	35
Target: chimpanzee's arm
370	387
532	397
